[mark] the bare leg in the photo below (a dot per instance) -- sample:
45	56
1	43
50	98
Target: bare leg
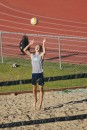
35	95
41	96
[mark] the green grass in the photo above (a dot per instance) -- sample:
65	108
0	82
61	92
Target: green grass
7	73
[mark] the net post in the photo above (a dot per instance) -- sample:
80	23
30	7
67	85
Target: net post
1	47
59	45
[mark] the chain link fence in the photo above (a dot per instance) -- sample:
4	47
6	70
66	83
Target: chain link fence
63	52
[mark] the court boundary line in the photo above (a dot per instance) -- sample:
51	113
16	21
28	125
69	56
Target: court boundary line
45	90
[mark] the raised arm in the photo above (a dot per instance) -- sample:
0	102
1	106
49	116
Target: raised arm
27	47
44	49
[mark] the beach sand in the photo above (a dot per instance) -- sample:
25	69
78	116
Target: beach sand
55	104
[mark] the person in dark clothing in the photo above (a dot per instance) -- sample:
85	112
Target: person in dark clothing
23	43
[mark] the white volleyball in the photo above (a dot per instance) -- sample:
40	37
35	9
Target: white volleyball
34	21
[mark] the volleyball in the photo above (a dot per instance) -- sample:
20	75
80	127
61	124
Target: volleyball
34	21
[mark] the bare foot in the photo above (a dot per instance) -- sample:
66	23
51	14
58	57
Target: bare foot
34	105
40	106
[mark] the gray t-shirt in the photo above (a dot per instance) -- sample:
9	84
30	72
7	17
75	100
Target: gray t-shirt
37	63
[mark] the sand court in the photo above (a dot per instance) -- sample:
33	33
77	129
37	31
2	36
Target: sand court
55	104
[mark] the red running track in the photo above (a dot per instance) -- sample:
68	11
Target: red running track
56	17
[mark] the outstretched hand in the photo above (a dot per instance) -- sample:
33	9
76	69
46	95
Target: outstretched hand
32	42
44	40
